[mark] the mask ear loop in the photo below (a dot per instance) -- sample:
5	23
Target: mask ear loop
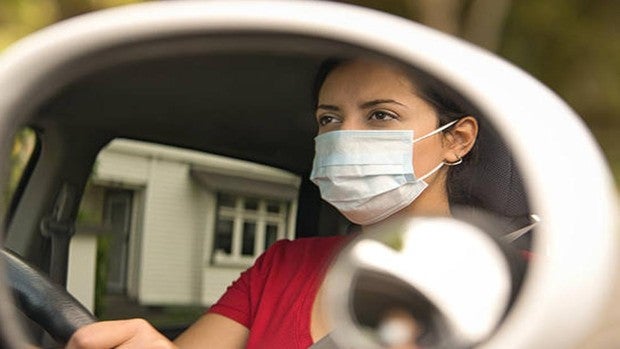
431	172
458	161
447	163
436	131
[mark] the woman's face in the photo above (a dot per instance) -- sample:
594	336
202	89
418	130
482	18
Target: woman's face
362	95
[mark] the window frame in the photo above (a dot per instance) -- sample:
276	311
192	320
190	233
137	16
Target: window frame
260	217
13	198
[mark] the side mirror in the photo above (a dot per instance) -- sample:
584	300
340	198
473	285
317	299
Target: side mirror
565	175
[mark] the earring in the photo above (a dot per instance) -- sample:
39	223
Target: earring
458	161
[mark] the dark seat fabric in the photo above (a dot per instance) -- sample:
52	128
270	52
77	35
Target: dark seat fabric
493	184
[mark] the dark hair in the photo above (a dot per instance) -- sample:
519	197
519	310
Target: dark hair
448	107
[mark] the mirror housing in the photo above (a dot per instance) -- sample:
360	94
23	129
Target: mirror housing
564	171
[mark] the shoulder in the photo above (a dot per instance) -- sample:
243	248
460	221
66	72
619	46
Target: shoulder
301	243
311	251
324	244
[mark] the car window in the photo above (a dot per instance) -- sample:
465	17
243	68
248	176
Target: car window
162	231
23	157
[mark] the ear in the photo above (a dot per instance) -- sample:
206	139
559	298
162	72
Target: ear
460	139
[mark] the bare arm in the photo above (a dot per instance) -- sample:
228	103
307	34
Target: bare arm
214	331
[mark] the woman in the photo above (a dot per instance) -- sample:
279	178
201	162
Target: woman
385	150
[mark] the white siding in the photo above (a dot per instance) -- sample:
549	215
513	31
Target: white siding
135	242
215	282
81	269
173	234
125	169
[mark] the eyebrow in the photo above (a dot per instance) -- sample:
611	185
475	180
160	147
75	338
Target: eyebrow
328	107
372	103
364	105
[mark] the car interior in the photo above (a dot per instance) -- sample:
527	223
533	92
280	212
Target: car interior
245	96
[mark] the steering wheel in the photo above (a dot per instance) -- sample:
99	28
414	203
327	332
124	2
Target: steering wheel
43	301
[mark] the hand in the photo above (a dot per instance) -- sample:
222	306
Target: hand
399	329
125	334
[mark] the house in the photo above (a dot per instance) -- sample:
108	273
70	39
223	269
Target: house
176	226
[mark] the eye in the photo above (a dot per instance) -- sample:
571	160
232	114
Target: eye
382	115
327	119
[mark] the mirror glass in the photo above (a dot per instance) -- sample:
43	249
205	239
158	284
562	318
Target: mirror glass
228	212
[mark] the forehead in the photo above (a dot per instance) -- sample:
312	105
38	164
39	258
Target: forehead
366	78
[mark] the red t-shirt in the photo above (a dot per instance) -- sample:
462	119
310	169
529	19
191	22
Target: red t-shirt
274	297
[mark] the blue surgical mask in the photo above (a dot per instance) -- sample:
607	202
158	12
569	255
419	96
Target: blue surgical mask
368	175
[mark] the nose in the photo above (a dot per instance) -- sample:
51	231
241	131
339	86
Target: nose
352	124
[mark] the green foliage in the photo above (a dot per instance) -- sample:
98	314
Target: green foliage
573	46
19	18
397	7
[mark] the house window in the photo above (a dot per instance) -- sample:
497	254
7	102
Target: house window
246	226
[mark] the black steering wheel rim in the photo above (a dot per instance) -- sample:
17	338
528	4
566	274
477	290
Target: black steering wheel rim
43	301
